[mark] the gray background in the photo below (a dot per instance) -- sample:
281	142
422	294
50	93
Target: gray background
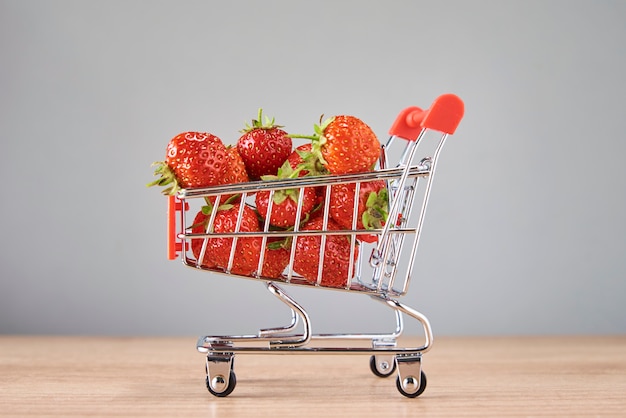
526	229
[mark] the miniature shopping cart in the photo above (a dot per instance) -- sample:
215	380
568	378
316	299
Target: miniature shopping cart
382	270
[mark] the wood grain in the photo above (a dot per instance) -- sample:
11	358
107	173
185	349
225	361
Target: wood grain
467	376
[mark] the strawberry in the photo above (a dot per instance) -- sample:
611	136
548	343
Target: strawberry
348	145
192	159
276	258
199	226
247	249
235	173
236	169
285	201
372	210
285	205
336	261
263	147
344	144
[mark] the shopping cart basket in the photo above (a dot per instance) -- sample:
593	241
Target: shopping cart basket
382	269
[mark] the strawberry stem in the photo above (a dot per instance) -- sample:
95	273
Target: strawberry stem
259	124
302	136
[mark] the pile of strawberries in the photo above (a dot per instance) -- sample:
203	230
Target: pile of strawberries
265	151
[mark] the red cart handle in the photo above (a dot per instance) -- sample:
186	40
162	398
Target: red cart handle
174	246
444	115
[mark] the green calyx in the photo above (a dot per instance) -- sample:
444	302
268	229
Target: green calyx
285	171
376	209
258	123
225	206
316	144
317	138
312	161
206	210
166	179
279	244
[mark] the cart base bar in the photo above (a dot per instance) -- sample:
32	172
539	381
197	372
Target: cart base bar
276	340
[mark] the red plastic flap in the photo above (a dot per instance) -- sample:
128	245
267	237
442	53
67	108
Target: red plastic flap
173	246
444	115
172	254
408	123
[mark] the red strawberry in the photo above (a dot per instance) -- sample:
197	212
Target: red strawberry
344	144
263	147
193	159
199	227
348	145
285	205
235	172
276	258
285	201
336	261
247	249
236	169
373	201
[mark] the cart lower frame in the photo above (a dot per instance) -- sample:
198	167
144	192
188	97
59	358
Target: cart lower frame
385	358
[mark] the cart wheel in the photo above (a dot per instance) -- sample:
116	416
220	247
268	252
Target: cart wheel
382	367
218	386
408	388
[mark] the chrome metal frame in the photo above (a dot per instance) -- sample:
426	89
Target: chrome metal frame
377	275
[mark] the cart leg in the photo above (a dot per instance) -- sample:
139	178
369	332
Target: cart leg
402	308
411	380
291	340
220	376
271	332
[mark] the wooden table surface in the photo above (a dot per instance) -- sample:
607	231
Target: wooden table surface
468	376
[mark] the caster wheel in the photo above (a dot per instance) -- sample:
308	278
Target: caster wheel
218	386
408	389
383	368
